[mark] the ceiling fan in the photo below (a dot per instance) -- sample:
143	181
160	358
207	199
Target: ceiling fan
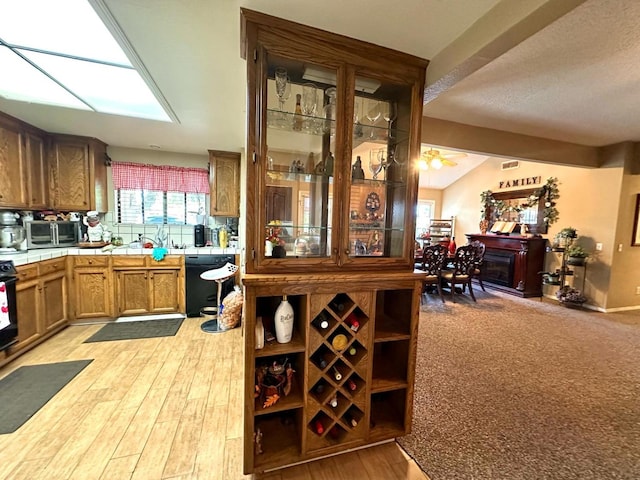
434	159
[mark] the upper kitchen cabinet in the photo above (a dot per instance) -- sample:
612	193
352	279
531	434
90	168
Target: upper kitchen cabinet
77	173
333	127
224	180
23	170
13	166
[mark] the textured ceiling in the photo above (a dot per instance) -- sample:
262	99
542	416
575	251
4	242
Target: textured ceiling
558	69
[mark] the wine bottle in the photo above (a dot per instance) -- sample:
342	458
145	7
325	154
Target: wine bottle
321	321
334	400
284	321
319	389
353	322
452	246
351	420
351	384
352	351
318	427
336	374
297	116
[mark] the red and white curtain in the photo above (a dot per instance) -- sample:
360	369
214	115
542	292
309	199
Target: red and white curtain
165	178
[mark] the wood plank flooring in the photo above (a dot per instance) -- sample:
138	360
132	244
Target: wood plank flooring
159	408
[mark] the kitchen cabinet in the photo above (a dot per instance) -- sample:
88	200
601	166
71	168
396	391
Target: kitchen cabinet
145	286
224	180
37	170
332	126
42	301
93	293
336	122
13	165
77	173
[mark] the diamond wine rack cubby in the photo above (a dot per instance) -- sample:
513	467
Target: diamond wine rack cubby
337	367
351	363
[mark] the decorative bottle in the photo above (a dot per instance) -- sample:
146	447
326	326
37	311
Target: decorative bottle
284	321
452	246
328	164
297	116
259	333
223	239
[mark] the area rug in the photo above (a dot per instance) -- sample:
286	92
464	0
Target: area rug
510	388
167	327
27	389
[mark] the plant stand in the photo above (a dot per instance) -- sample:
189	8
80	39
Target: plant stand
567	294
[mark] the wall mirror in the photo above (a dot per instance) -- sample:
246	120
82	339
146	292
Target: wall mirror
514	206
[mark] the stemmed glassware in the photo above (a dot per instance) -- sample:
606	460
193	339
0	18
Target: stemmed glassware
283	89
373	114
384	162
375	163
389	115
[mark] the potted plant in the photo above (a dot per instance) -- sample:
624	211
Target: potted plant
570	297
564	238
576	255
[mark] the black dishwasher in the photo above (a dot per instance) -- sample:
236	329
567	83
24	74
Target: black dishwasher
203	293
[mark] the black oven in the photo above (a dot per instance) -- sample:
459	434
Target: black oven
8	310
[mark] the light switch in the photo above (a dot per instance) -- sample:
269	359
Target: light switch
599	247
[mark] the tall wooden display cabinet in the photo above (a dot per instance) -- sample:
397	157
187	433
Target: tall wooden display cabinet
333	133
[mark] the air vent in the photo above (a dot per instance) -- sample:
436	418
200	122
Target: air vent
510	165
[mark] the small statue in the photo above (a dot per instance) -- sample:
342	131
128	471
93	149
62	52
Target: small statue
257	438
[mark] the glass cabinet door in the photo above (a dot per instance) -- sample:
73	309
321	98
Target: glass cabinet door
300	160
380	175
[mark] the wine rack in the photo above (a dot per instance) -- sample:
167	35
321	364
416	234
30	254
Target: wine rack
337	368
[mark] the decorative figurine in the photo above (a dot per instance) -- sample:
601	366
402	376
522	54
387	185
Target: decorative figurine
357	173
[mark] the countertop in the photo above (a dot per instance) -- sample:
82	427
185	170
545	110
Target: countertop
37	255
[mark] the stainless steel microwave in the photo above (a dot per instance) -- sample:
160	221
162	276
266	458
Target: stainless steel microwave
43	234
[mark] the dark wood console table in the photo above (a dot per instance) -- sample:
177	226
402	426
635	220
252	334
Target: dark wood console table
513	264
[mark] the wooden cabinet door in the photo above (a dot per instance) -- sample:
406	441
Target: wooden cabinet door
54	301
69	175
163	286
36	161
224	178
13	171
29	322
98	165
278	203
93	296
132	295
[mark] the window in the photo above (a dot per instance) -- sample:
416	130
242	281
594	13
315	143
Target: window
159	194
424	214
62	53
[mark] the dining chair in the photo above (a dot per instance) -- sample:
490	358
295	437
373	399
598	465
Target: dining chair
480	248
460	270
433	259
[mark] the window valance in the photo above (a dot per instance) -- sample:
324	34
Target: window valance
165	178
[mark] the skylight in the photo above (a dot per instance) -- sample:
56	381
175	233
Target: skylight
62	54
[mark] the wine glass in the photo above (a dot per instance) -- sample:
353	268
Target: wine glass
373	114
389	115
283	88
375	165
309	104
384	162
400	160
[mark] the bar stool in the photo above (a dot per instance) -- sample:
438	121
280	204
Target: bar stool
218	275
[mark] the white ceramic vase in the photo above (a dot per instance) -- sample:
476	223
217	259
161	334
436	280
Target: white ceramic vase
268	248
284	321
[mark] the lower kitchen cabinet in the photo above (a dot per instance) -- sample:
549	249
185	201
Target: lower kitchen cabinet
144	286
42	300
92	287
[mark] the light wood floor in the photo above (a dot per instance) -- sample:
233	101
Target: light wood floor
162	408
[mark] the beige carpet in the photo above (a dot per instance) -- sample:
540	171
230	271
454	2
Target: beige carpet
512	388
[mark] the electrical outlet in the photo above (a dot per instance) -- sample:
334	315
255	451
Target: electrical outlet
599	247
637	290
